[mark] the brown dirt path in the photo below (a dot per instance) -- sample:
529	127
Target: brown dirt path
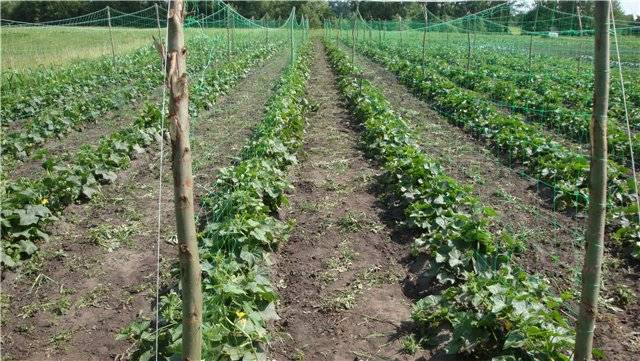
553	240
339	274
73	299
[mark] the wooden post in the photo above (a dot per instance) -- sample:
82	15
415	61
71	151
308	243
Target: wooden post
158	20
580	38
530	54
353	40
233	30
293	19
113	48
339	30
468	49
400	25
594	237
228	31
379	32
183	184
424	36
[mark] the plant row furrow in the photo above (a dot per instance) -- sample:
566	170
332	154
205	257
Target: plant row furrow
570	123
241	226
80	106
565	172
493	308
29	204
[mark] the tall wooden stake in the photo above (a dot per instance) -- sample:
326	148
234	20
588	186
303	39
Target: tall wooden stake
183	185
468	49
580	37
400	29
113	48
293	20
530	54
594	237
353	40
424	35
228	32
158	21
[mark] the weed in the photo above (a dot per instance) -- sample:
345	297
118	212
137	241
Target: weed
112	237
410	345
94	297
298	355
60	338
624	296
339	264
351	222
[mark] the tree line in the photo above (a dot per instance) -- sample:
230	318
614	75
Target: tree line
542	16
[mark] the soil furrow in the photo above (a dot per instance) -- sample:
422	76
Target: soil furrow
97	272
553	241
339	274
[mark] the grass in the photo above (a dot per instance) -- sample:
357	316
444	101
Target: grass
29	48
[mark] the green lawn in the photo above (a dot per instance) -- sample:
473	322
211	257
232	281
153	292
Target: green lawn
28	48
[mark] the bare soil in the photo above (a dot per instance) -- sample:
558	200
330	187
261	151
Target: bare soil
97	273
340	274
554	241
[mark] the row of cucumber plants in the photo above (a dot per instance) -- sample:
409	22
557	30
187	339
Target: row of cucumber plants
58	86
86	107
30	204
564	171
493	308
547	110
62	87
554	76
241	227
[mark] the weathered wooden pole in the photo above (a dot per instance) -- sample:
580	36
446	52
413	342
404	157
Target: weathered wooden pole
228	21
468	44
424	36
400	27
594	237
353	40
113	48
190	273
158	21
580	38
233	30
530	54
293	20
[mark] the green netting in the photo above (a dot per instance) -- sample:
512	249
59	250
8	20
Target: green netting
111	32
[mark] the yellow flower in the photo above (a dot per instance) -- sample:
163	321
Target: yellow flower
44	201
240	314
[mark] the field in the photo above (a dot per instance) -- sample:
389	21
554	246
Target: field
363	200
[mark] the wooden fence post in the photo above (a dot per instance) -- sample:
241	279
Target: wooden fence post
424	36
113	48
190	273
594	237
158	21
292	17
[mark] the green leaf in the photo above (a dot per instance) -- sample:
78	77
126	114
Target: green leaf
515	339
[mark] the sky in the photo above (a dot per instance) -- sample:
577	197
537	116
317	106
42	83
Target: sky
631	6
